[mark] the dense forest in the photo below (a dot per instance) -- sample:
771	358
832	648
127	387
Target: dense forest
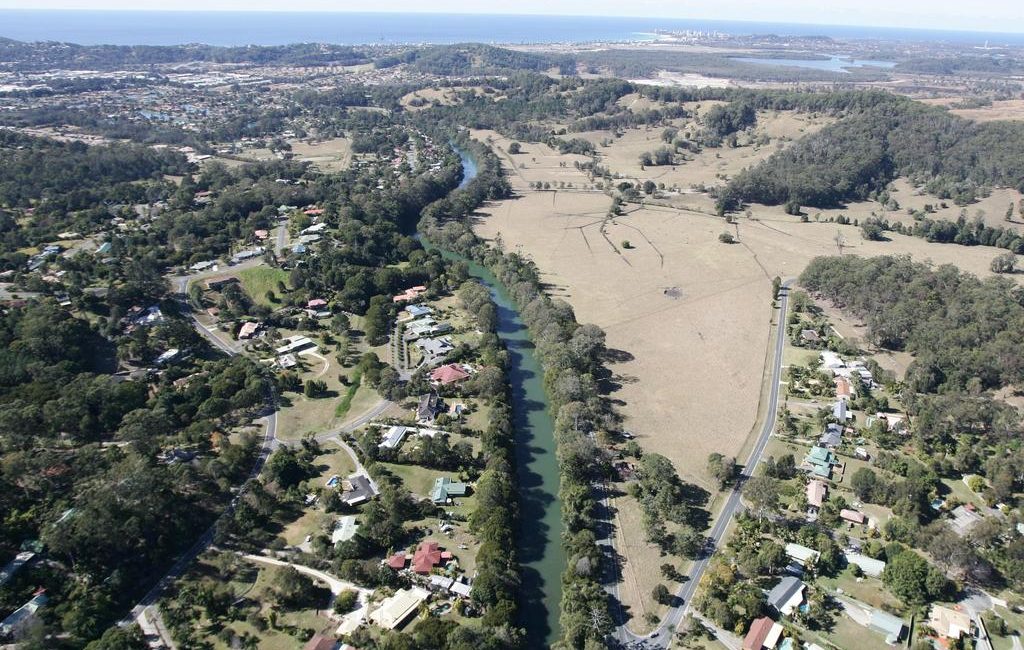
65	176
860	154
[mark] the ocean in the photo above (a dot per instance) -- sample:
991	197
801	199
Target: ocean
281	28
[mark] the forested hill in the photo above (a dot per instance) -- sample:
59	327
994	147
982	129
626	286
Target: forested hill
32	56
863	152
477	59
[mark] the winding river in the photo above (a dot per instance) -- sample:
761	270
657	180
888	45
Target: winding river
539	543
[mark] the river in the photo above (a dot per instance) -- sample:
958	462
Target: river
539	538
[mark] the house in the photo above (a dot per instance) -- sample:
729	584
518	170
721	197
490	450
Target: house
398	609
763	633
427	556
356	489
220	283
344	529
320	642
12	567
840	412
811	336
261	234
801	554
448	374
886	624
295	344
949	622
445	489
416	311
22	617
412	293
964	519
316	303
314	229
394	437
852	516
241	256
248	330
844	389
428	408
425	327
787	595
151	316
286	361
832	436
817	492
434	350
819	461
869	565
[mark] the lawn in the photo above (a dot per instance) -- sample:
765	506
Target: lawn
869	590
258	280
418	480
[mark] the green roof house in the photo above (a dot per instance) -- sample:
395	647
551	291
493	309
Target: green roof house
819	461
445	489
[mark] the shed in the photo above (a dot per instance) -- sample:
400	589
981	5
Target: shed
394	437
869	565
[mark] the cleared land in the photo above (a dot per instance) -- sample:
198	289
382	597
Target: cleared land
774	130
691	315
328	155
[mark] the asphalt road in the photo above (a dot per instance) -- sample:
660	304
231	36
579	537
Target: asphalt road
661	636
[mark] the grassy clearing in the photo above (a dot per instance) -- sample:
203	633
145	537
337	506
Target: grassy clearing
258	280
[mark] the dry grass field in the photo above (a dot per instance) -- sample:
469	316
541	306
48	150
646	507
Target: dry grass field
692	314
328	155
1008	109
711	166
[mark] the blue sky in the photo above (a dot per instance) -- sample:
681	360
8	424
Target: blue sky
985	15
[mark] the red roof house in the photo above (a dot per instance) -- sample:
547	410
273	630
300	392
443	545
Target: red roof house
448	374
427	556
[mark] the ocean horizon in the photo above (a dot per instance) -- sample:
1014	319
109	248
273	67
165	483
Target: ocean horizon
236	28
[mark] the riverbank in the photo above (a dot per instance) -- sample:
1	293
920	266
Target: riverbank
541	555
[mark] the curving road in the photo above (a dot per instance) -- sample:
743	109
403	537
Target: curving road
662	636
